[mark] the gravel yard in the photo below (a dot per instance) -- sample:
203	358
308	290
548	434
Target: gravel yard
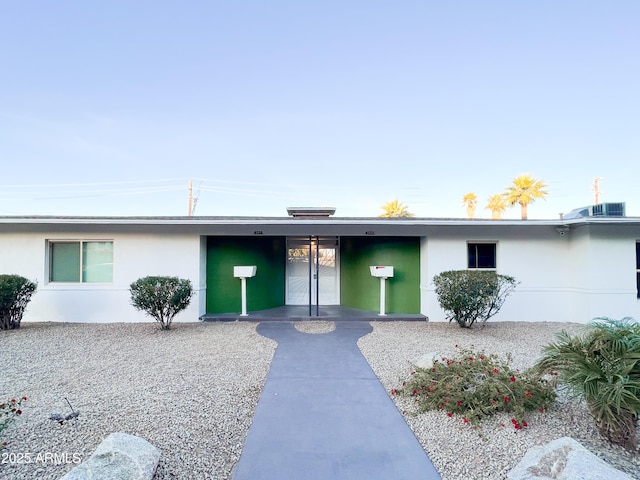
192	393
457	451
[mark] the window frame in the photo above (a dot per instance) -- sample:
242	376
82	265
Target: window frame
81	261
638	269
482	242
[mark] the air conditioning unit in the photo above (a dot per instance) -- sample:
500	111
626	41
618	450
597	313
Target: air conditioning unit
601	210
608	210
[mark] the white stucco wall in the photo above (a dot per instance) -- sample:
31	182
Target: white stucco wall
607	271
135	256
587	273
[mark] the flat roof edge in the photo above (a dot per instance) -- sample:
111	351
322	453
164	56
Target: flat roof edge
413	221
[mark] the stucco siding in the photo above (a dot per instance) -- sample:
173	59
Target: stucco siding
586	273
539	261
22	255
360	290
265	290
608	283
134	256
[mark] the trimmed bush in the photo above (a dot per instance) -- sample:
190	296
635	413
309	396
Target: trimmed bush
473	385
469	296
603	366
162	298
15	294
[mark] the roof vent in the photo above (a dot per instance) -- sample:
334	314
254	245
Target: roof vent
600	210
311	212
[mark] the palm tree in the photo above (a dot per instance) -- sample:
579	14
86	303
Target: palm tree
525	189
497	204
470	201
395	209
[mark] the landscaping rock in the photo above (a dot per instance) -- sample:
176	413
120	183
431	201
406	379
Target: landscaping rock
563	459
120	456
426	360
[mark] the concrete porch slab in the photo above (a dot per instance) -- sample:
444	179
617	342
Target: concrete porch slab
322	312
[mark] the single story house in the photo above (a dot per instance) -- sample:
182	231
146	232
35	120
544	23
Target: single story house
573	269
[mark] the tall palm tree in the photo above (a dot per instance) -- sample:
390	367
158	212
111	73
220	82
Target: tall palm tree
470	201
497	204
395	209
525	190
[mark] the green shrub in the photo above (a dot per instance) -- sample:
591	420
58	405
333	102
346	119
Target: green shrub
603	366
468	296
475	385
15	293
162	298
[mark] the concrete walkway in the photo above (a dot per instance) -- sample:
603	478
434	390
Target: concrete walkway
323	414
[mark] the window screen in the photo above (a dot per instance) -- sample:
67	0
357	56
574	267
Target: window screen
64	262
638	269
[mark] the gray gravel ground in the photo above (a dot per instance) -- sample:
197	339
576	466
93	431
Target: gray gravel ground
457	451
192	392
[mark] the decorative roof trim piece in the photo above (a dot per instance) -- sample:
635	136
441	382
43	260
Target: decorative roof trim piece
311	212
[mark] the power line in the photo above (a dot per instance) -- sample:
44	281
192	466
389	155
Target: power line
48	195
88	184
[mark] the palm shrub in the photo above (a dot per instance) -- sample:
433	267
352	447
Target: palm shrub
603	366
474	385
15	294
162	298
468	296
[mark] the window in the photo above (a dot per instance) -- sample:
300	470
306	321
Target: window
481	255
80	261
638	269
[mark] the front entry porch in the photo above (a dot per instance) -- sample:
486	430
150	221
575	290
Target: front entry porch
325	312
311	276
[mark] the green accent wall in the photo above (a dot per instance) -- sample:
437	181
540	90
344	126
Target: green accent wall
358	289
265	290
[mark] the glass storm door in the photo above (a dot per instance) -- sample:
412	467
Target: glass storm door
312	271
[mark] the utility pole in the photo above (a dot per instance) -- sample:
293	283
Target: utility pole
190	197
596	189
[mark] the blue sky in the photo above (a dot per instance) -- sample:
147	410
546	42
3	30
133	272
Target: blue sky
110	108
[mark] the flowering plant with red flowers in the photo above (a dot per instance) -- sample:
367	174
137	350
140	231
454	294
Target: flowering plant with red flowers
8	411
473	385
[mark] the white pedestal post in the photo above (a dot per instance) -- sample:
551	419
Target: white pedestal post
243	284
383	297
382	272
243	272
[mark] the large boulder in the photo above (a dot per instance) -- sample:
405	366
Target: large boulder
564	459
120	456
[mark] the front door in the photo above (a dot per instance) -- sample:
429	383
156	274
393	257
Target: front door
312	271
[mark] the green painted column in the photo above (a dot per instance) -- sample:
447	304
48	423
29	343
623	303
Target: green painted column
358	289
265	290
